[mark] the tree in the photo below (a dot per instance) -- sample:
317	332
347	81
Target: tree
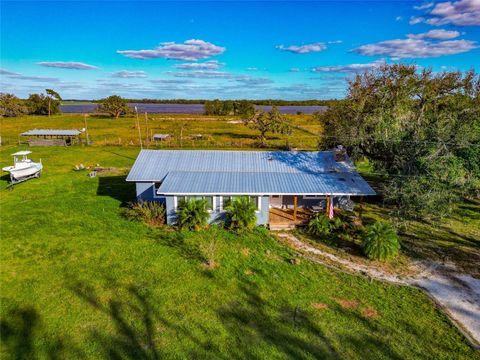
380	241
113	105
193	214
264	122
419	128
52	95
219	107
244	108
11	106
241	213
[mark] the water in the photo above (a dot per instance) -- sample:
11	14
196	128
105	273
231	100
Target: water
186	108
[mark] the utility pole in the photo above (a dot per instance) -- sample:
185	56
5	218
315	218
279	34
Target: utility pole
146	130
138	127
86	128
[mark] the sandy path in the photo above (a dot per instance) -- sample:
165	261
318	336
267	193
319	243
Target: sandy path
457	293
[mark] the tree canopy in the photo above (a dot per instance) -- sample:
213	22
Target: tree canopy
419	128
114	106
11	106
264	122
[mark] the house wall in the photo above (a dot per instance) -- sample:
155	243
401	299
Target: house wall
218	215
145	191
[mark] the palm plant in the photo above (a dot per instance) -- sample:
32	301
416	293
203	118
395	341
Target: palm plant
193	214
321	225
241	214
380	241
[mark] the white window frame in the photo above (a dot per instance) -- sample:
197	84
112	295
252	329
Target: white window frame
214	202
258	202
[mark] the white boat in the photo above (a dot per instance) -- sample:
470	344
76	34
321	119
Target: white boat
23	168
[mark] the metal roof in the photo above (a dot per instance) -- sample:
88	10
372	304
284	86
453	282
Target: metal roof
154	165
257	183
51	132
248	172
160	136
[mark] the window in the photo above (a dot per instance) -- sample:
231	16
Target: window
316	197
210	200
227	200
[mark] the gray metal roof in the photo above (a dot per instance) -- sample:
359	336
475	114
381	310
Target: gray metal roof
259	172
51	132
154	165
257	183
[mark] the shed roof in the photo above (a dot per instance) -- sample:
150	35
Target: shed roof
248	172
51	132
257	183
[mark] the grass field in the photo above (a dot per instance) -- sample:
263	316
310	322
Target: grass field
218	131
80	281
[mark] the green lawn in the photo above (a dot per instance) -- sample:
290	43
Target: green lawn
80	281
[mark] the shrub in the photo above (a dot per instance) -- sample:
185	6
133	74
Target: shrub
193	214
151	212
321	225
380	241
241	214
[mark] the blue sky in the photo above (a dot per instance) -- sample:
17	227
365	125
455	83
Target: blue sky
197	50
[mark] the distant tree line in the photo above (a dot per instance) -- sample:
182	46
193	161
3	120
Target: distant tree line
35	104
268	102
229	107
419	129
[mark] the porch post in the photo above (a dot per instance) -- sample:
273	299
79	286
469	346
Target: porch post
327	205
295	209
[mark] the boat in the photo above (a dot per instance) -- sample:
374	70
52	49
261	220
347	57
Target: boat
23	168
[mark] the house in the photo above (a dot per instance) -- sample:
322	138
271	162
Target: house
286	186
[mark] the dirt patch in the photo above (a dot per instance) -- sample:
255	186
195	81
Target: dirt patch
348	304
370	313
248	272
245	251
320	306
211	264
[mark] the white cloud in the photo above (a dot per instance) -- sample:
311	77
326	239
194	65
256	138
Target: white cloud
424	6
304	49
18	76
295	70
126	74
438	34
399	18
190	50
207	65
416	20
67	65
201	74
461	13
415	48
252	69
351	68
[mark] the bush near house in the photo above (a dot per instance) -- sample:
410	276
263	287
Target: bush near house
320	225
380	241
151	212
193	214
241	214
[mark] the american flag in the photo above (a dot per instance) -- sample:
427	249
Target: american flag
330	210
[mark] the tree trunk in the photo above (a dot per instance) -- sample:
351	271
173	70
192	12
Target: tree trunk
49	102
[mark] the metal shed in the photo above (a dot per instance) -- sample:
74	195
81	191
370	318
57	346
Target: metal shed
52	137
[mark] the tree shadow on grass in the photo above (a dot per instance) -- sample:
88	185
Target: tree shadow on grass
138	325
20	329
185	247
290	330
117	188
